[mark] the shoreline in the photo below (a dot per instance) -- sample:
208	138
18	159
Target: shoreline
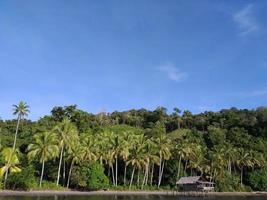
142	193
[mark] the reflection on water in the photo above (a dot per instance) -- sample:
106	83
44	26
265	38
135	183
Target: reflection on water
129	197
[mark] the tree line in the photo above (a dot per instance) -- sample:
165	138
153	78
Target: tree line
134	149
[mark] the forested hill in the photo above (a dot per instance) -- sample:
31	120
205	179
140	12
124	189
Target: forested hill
136	149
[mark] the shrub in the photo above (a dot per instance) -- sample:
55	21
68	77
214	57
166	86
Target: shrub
96	178
258	180
47	185
89	176
25	180
229	183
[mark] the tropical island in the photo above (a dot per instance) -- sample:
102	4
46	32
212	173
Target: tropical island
134	149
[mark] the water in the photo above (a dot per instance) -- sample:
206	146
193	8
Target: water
131	197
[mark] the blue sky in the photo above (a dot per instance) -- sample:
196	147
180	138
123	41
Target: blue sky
117	55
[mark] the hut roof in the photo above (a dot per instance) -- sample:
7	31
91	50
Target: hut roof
189	180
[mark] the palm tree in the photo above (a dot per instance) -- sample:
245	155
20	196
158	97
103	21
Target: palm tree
231	154
105	151
22	109
75	154
125	151
67	134
164	151
11	160
244	160
116	145
136	158
88	143
218	162
180	151
197	160
150	155
45	148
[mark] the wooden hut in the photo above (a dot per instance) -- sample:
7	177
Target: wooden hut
195	183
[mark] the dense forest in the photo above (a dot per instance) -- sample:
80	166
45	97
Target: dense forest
134	149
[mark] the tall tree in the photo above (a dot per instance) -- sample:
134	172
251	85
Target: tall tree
76	155
11	161
44	148
21	110
67	134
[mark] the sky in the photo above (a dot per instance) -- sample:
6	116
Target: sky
117	55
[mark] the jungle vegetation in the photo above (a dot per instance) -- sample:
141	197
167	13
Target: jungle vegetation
134	149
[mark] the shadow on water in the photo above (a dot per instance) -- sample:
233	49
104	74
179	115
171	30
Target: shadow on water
130	197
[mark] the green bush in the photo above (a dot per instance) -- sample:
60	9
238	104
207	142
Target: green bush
89	176
228	183
47	185
258	180
96	178
25	180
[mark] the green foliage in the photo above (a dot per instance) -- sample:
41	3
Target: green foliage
226	145
229	183
90	176
215	136
22	181
47	185
258	180
96	178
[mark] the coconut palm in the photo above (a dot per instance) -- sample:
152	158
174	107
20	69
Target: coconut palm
150	155
22	110
218	162
67	134
44	148
76	154
88	142
164	151
231	155
244	160
116	145
181	150
125	151
11	160
136	158
197	160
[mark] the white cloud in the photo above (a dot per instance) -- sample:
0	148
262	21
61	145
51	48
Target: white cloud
246	20
172	72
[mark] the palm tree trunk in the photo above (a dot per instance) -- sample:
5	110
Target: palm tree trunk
5	179
138	176
16	133
185	167
42	174
161	173
71	165
241	176
147	170
144	180
124	178
112	172
116	165
132	178
59	166
229	166
145	176
179	166
152	174
64	171
160	163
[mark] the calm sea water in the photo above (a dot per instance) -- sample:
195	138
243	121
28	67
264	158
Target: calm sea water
130	197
